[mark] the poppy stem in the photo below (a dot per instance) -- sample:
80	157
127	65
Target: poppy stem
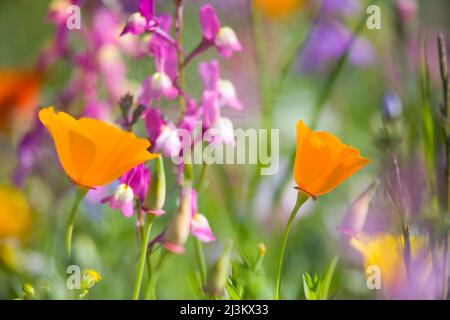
143	256
79	196
301	199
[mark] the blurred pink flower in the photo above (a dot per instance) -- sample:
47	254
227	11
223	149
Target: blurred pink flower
163	81
141	21
223	38
200	228
210	73
163	134
199	224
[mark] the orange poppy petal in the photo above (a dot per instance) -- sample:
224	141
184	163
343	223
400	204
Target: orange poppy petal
316	154
58	128
83	152
350	162
120	170
302	133
123	152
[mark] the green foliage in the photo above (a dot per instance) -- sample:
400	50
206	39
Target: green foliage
318	287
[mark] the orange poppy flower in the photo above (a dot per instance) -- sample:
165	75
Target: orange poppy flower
279	8
322	161
19	92
93	153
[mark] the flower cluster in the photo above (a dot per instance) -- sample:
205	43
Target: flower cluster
99	79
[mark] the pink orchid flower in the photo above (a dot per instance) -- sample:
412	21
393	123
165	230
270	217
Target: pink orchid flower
133	184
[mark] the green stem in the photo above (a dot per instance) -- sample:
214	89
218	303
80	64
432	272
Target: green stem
179	8
150	291
198	245
301	199
79	196
201	177
142	256
201	259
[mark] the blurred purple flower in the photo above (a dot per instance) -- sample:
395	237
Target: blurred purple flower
355	217
28	153
340	7
330	38
392	106
328	41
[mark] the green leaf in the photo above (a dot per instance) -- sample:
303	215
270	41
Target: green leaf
325	284
234	291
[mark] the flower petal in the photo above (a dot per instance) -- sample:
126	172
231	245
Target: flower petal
209	22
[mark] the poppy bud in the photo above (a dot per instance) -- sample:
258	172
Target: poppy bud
179	227
156	196
215	286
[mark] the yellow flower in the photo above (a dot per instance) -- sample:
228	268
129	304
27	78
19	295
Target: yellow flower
93	153
322	161
92	275
387	252
89	279
15	214
276	9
